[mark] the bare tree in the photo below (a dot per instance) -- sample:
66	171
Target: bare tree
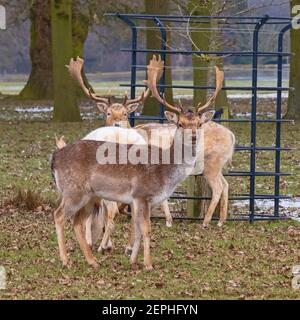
65	106
153	41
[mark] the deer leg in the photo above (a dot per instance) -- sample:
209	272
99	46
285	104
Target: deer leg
223	202
145	227
137	235
165	208
59	225
215	182
110	212
78	226
128	249
98	221
92	234
88	230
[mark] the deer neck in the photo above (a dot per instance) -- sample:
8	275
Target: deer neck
183	155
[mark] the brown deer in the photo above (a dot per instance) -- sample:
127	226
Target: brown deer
81	180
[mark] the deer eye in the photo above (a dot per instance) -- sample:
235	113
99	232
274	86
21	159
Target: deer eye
108	114
125	114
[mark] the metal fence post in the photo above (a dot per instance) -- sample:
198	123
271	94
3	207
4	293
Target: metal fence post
133	60
257	28
278	118
163	55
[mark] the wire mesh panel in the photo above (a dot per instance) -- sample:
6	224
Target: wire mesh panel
258	30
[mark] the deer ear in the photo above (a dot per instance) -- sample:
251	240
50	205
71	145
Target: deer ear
207	116
171	117
132	107
102	107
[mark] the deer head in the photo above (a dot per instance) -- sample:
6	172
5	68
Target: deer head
183	118
116	114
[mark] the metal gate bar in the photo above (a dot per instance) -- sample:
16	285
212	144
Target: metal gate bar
258	23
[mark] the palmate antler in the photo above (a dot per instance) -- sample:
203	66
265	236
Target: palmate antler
212	99
155	70
154	73
75	69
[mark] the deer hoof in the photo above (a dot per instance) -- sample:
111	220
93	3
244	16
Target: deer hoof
149	268
101	250
169	224
66	264
128	250
134	266
205	225
109	246
220	224
94	263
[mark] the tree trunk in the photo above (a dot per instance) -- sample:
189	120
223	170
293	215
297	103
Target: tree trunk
294	96
216	45
39	85
153	41
65	104
80	31
196	185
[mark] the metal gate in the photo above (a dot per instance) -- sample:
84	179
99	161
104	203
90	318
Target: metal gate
133	21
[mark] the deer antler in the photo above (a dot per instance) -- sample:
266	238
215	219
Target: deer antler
75	69
154	71
140	99
219	83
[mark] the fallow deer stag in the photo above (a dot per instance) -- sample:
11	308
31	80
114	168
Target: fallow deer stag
116	114
219	142
81	178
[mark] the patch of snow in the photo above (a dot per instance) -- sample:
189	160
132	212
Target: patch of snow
289	207
34	110
239	96
259	95
183	96
248	114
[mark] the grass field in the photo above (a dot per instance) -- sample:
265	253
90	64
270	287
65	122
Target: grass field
241	261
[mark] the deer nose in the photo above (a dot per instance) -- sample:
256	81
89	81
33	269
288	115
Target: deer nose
117	125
